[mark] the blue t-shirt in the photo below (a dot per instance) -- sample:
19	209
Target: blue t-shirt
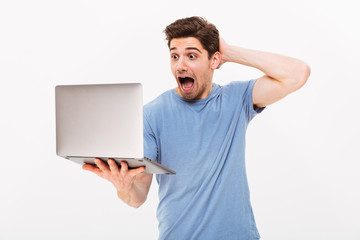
204	142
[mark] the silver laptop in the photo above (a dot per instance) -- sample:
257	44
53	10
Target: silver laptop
102	121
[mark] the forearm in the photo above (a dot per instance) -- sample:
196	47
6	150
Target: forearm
284	69
132	185
138	192
135	197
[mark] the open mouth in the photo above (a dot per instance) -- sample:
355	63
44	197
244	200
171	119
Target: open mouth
186	83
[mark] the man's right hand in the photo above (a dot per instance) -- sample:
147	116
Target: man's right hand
132	185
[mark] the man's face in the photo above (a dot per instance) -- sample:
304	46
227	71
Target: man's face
192	68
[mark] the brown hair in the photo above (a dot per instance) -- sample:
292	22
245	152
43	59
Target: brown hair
198	28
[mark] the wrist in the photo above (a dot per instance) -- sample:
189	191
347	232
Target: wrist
225	51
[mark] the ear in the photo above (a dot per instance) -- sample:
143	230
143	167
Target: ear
215	60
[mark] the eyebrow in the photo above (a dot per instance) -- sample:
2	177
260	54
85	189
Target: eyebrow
188	48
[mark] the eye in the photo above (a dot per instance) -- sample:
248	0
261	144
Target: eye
192	56
174	57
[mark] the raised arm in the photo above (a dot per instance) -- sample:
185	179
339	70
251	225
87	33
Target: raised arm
283	75
132	185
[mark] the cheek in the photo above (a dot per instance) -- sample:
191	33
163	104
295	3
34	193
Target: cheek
172	68
199	70
195	68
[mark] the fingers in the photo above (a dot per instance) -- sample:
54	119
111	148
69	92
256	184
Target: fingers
137	171
103	166
113	166
112	169
124	168
91	168
99	169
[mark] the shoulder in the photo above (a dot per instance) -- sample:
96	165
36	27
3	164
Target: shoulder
155	106
238	87
161	99
239	84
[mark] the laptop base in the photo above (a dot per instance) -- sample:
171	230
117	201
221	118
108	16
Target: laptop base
150	166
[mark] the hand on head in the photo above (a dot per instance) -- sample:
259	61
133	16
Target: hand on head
223	48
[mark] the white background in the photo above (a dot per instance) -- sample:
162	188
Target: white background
302	152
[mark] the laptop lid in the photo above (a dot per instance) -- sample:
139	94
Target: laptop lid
100	120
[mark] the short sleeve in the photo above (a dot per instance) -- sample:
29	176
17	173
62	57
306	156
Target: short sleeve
248	101
150	146
243	93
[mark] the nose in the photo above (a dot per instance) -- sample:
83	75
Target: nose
181	65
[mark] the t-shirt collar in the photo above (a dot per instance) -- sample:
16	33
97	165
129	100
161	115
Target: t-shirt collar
213	93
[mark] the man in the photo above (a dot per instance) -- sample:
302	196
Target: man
198	129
